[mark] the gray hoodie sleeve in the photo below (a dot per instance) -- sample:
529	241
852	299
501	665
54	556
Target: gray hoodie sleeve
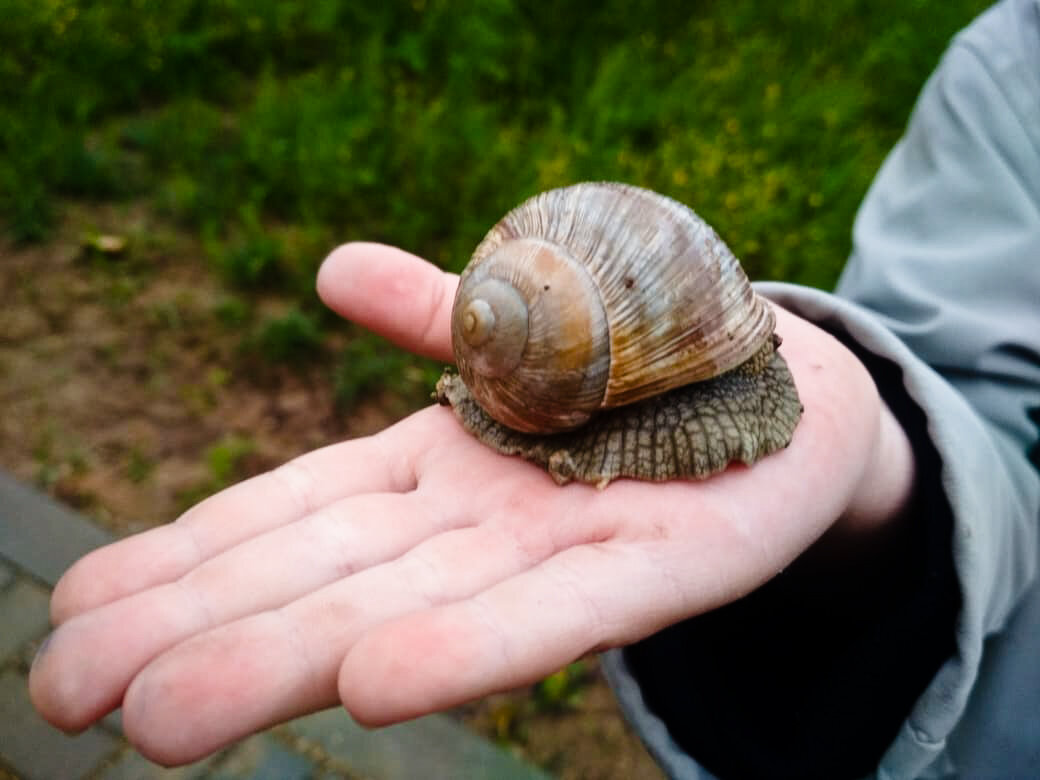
944	282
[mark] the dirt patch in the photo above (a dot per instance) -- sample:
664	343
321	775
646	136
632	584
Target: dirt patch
582	737
127	395
119	380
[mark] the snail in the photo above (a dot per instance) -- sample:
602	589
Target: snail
603	330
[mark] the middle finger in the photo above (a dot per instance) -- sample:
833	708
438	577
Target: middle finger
263	573
249	674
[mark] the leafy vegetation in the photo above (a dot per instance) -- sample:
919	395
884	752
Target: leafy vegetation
275	129
368	362
563	688
226	464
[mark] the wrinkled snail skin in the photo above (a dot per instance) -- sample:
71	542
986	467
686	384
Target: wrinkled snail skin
603	331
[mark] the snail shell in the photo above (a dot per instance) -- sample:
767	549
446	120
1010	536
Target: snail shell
604	296
594	296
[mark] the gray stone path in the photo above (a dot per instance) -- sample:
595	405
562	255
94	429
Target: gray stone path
39	539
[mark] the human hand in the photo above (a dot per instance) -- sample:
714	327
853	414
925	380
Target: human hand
413	570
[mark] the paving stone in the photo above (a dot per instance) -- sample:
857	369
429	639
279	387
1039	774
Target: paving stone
40	535
113	721
263	758
131	765
35	750
23	615
434	746
27	654
6	574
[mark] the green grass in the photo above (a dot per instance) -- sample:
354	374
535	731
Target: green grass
276	129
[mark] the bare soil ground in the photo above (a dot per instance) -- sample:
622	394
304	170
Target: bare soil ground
126	394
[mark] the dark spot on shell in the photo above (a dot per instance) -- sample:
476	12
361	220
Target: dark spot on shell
546	288
629	282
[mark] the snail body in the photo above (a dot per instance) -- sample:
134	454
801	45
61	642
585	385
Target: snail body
582	322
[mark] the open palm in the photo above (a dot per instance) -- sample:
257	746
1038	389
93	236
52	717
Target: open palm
415	569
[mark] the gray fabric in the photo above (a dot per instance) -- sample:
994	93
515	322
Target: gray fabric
945	282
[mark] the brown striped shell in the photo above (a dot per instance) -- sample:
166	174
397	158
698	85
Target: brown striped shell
596	296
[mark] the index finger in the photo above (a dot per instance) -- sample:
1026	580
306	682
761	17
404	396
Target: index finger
394	293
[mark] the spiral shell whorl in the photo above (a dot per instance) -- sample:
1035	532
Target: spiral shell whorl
493	326
529	334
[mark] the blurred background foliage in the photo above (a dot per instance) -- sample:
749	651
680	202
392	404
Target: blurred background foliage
276	129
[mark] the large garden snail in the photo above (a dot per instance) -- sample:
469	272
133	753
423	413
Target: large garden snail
603	330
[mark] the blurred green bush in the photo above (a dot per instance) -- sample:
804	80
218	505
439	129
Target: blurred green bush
420	123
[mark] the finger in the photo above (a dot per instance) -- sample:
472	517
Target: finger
586	598
393	293
385	462
80	679
245	676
